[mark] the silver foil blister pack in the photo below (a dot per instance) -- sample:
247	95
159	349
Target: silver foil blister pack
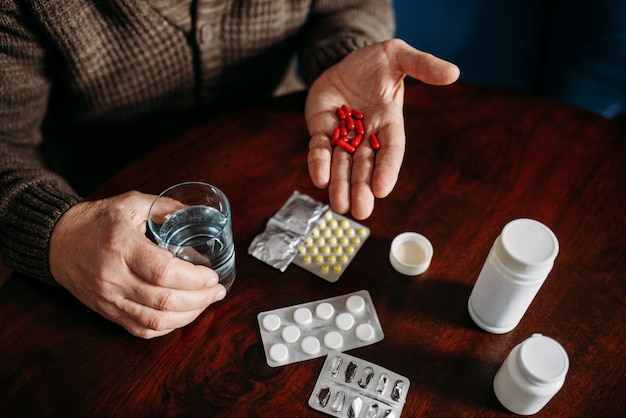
350	387
285	232
312	329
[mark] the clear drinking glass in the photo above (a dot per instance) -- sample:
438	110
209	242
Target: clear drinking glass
192	220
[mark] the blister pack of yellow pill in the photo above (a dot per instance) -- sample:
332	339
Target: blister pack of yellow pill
331	245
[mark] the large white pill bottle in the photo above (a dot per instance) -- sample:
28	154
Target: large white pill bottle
517	265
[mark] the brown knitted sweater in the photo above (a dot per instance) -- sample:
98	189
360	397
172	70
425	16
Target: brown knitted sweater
118	76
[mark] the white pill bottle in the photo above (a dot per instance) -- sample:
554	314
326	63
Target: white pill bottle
517	265
531	375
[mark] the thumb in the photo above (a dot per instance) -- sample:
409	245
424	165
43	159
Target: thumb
424	66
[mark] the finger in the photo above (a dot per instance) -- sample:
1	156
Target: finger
339	186
159	267
319	160
388	158
361	197
424	66
149	323
174	300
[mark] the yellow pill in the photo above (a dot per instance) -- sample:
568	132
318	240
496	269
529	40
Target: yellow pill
320	240
349	249
315	232
328	215
327	232
337	268
339	232
325	268
308	241
333	223
306	259
344	223
319	259
343	240
337	249
325	249
302	250
362	232
332	240
355	240
331	258
313	250
321	224
343	258
350	232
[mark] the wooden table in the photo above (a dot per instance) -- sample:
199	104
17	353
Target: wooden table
476	158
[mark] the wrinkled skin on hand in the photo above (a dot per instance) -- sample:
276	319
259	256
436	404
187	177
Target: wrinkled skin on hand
371	80
100	253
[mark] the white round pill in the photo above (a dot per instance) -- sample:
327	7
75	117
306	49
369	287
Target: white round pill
344	321
290	333
279	352
324	310
310	345
365	332
355	303
302	316
333	340
271	322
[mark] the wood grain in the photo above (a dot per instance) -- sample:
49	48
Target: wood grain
476	158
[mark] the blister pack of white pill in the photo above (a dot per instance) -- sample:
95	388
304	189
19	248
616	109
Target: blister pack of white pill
350	387
331	245
309	330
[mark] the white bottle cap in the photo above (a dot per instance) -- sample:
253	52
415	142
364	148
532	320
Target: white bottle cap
410	253
542	360
527	247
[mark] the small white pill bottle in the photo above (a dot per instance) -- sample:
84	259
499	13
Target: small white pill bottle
531	375
517	265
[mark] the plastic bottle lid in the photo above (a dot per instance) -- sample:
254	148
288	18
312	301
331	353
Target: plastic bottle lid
410	253
526	246
542	360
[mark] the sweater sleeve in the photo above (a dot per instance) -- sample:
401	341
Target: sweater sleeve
336	28
32	199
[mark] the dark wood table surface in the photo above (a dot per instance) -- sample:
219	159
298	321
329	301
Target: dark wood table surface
476	158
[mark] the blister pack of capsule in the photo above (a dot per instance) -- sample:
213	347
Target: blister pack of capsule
309	330
331	245
349	387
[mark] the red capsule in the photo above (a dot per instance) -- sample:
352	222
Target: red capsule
358	126
340	113
374	141
347	146
343	128
356	114
350	122
335	137
346	110
357	141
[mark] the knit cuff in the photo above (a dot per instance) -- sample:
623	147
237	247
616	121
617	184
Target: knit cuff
28	225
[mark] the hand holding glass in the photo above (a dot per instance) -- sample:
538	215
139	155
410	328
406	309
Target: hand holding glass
192	221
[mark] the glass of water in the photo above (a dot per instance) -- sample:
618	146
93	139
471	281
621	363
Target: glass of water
192	221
